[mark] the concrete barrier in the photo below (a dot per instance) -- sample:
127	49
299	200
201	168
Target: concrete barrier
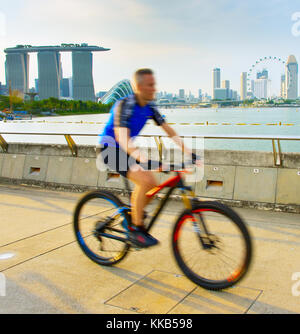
35	167
1	162
84	172
255	184
13	166
240	178
59	169
288	186
217	182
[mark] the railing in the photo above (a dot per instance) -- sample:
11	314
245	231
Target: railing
277	152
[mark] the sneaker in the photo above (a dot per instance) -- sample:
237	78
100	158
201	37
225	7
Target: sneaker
141	238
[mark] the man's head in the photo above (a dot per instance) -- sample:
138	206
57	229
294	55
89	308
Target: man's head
144	84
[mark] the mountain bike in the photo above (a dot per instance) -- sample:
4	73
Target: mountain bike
210	241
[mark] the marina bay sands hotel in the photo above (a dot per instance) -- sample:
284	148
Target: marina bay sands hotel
50	69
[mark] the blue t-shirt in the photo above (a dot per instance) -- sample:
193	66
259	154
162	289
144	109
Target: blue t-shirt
129	114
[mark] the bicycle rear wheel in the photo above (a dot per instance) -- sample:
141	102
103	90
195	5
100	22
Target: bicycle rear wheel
98	219
212	245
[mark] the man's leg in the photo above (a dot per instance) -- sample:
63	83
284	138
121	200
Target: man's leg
144	181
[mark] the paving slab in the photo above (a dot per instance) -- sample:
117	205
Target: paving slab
48	272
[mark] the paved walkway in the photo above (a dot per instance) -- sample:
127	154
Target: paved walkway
48	273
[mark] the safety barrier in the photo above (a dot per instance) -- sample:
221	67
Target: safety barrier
207	123
277	154
243	177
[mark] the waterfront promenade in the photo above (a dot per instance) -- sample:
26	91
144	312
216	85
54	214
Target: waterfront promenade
48	273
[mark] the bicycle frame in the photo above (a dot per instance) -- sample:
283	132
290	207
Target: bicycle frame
174	183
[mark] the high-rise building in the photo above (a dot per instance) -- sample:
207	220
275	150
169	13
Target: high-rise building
220	93
234	95
83	84
252	87
229	94
3	89
216	78
262	75
181	94
244	86
36	85
200	96
17	71
71	87
225	84
65	87
282	86
49	69
102	93
262	88
291	78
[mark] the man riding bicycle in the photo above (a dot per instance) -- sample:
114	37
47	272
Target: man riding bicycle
127	118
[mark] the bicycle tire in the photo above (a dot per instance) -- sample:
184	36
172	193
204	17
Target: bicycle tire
232	216
97	194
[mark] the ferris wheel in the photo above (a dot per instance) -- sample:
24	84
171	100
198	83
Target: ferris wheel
258	63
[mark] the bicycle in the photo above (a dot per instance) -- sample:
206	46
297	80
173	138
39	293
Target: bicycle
199	233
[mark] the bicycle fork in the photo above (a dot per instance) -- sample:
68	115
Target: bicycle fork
205	240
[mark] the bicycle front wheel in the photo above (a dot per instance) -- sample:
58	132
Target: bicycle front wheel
98	225
212	245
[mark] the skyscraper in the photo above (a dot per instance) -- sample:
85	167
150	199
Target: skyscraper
49	69
244	86
83	84
200	95
17	71
181	93
65	87
262	75
291	78
262	88
36	84
282	86
226	84
216	80
221	93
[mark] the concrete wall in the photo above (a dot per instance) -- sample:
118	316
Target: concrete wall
236	177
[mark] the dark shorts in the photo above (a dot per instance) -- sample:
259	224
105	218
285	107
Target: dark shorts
116	159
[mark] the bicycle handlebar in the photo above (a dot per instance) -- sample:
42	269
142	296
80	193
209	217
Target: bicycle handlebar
155	165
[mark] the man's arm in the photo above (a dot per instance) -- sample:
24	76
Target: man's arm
174	136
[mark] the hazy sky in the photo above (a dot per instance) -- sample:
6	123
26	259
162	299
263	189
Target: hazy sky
181	40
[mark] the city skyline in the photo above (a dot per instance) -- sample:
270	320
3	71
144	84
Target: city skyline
182	42
17	71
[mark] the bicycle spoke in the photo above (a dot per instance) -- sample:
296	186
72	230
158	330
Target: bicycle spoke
98	221
223	252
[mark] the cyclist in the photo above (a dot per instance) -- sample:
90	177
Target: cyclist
127	118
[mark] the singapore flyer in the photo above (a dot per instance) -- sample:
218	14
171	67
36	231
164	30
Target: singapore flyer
268	67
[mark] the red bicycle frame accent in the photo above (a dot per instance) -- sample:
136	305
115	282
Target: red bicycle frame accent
172	182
